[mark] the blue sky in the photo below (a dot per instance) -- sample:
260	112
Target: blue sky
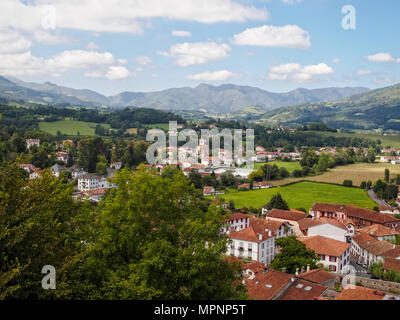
277	45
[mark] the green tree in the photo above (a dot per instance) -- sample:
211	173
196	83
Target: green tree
153	241
277	202
283	173
348	183
170	171
363	185
195	179
294	254
257	175
39	225
387	175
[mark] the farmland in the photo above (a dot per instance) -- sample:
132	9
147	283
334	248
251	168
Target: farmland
386	140
164	126
356	172
70	127
302	195
290	166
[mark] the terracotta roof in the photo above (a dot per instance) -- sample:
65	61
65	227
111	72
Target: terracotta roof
391	264
254	266
352	211
360	293
304	290
325	246
251	233
378	230
316	275
393	253
266	224
292	215
307	223
388	208
95	192
265	286
237	215
371	244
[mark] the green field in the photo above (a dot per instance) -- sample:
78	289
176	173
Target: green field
302	195
290	166
164	126
71	127
388	140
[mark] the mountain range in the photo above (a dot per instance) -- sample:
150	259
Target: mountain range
375	109
208	98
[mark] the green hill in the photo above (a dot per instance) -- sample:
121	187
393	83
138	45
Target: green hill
372	110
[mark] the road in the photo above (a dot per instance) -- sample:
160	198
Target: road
360	271
373	196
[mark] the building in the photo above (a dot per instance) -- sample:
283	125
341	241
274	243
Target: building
290	216
333	254
94	195
327	227
380	232
253	243
360	217
32	142
57	170
389	210
262	185
76	172
275	285
236	222
368	250
62	156
362	293
319	276
116	165
27	167
208	191
279	229
90	182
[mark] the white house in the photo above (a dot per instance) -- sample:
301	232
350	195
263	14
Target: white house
236	222
62	156
333	254
57	169
116	165
32	142
27	167
368	250
329	228
90	182
389	210
252	243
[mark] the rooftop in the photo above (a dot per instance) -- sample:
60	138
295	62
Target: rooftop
325	246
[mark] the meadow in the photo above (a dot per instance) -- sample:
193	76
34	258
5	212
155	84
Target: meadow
302	195
356	172
290	166
164	126
386	140
71	127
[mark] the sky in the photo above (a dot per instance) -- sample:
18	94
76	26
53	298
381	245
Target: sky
112	46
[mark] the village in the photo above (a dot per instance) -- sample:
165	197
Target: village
342	236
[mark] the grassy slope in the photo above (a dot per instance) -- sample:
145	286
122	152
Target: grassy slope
302	195
70	127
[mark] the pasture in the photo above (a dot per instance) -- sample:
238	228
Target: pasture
71	127
301	195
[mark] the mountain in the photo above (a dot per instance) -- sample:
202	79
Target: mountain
226	98
378	108
215	99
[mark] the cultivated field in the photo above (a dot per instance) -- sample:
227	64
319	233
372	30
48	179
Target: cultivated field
71	127
302	195
290	166
357	172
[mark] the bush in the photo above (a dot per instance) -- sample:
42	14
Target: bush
363	185
348	183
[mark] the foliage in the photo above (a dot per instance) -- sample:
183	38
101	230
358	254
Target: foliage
277	202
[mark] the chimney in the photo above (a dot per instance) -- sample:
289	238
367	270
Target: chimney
284	270
297	271
260	237
308	267
293	279
269	233
302	269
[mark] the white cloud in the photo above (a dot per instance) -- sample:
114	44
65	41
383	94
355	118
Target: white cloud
336	60
117	73
363	72
221	75
289	36
92	46
186	54
143	60
295	72
181	33
11	42
120	15
380	57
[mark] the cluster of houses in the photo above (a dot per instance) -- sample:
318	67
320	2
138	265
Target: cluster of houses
336	233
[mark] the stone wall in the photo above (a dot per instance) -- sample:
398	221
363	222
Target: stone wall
376	284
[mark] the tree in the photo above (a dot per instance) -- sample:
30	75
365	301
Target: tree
153	241
283	173
348	183
195	179
371	155
398	179
369	184
363	185
294	254
257	175
101	166
170	171
227	179
39	225
387	175
277	202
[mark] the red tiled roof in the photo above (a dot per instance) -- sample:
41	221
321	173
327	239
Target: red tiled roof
316	275
360	293
237	215
251	233
292	215
393	253
391	264
304	290
266	224
307	223
371	244
325	246
378	230
265	286
254	266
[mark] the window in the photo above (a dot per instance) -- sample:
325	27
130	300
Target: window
322	257
332	259
332	268
308	288
299	286
249	247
